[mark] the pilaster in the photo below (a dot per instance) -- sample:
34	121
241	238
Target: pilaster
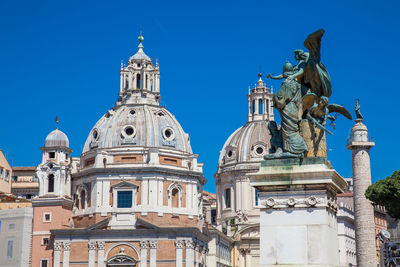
92	253
66	249
189	253
143	253
57	254
153	253
100	253
178	248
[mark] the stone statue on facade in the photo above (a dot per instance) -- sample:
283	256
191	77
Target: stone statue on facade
303	103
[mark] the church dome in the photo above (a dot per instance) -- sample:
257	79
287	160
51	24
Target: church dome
138	125
56	138
247	144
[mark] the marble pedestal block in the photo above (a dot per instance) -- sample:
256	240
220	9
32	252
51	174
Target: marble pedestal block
298	225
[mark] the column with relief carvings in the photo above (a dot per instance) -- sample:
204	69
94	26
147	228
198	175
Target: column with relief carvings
178	247
143	253
92	253
66	248
153	253
189	253
57	254
100	253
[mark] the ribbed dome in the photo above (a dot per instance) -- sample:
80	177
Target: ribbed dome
249	143
138	125
56	138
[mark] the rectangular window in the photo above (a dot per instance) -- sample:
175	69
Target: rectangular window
124	199
52	155
47	217
45	241
256	197
10	245
11	226
43	263
14	178
1	172
7	175
227	198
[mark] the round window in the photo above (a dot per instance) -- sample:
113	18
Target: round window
168	134
129	131
230	153
259	150
132	112
95	134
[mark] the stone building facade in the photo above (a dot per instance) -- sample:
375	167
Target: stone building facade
15	236
24	182
5	174
134	197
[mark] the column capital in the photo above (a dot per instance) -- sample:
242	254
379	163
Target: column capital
143	244
92	245
153	244
57	245
179	243
101	245
189	243
66	245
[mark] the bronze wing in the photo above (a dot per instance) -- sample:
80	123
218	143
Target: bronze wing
339	109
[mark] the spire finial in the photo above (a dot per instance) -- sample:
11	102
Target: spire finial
140	38
57	121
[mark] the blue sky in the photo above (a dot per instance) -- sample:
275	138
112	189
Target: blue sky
62	58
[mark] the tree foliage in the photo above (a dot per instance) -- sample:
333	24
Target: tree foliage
386	192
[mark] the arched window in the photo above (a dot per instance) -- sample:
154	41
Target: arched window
267	106
253	107
138	82
260	106
83	195
175	192
175	198
50	187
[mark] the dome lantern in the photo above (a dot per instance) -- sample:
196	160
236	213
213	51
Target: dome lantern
139	80
260	102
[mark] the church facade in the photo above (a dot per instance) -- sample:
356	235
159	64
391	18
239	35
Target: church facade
133	197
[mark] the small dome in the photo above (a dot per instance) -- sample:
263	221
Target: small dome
140	55
249	143
138	125
56	138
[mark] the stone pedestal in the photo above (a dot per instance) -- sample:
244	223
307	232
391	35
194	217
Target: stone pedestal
298	224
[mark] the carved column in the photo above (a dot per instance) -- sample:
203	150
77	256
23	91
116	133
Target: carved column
100	253
143	253
92	253
178	247
57	254
189	253
153	253
66	248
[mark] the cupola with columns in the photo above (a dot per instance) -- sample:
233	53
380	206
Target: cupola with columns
140	79
260	102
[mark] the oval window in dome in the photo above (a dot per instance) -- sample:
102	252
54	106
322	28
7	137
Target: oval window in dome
230	153
259	150
132	112
168	133
95	134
